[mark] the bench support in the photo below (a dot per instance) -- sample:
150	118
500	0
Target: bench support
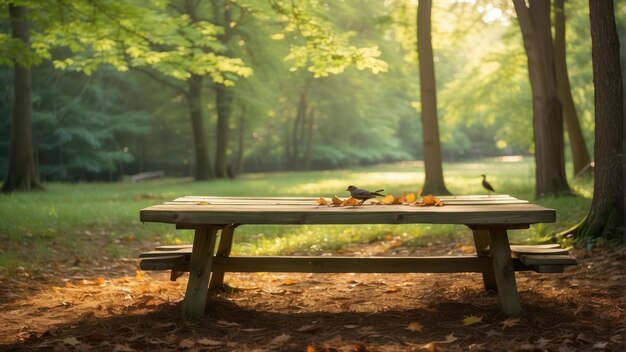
223	250
504	272
481	242
199	273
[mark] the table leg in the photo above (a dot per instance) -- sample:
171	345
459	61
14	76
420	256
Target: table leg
199	273
223	250
481	242
504	272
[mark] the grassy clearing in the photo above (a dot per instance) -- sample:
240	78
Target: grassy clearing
36	228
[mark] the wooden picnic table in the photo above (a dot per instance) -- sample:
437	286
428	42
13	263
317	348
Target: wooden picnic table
489	218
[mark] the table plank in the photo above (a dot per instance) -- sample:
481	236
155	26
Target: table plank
313	214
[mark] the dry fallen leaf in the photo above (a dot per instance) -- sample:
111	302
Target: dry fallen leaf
186	343
430	200
72	341
280	340
509	323
449	339
471	320
337	201
600	345
414	326
226	324
389	199
322	201
392	289
208	342
410	198
351	201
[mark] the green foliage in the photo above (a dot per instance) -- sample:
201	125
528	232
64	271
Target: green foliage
313	43
274	51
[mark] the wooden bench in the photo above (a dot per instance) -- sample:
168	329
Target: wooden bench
543	258
489	218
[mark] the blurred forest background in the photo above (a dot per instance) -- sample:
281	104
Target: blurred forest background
120	88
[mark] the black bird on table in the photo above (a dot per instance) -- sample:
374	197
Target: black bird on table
363	194
487	185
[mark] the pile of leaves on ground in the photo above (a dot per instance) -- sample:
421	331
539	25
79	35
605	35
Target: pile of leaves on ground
107	305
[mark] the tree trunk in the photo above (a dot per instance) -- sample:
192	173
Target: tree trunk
310	132
223	102
222	16
297	137
434	183
203	166
22	174
547	111
241	142
606	216
580	153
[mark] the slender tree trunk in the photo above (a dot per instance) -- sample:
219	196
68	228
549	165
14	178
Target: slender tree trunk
547	111
580	153
434	183
297	136
241	141
223	100
310	132
22	174
606	216
203	166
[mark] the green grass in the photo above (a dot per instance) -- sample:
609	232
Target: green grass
38	227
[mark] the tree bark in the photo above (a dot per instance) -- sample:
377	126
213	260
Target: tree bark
223	102
22	174
238	169
534	22
203	166
606	216
433	183
297	137
310	132
580	153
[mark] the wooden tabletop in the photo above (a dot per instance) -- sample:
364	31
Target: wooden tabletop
469	210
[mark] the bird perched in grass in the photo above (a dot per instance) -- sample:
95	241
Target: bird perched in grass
363	194
487	185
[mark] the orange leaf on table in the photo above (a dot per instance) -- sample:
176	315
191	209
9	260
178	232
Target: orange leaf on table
337	201
322	201
410	198
389	199
351	201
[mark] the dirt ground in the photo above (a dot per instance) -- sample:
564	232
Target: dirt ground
103	304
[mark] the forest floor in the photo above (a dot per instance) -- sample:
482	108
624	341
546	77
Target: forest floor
105	304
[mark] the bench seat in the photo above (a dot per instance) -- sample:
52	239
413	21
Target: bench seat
540	258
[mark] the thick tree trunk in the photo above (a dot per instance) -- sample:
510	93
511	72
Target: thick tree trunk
22	174
222	15
223	102
547	111
606	216
434	183
203	166
580	153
